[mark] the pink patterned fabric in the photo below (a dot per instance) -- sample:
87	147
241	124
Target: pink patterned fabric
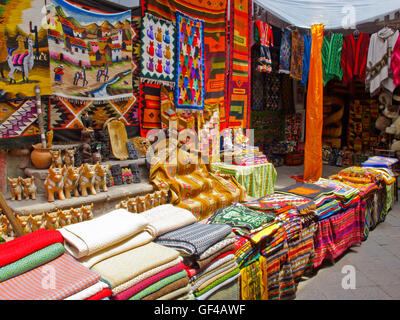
395	63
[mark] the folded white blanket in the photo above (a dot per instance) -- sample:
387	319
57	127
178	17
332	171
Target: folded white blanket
88	237
136	241
166	218
88	292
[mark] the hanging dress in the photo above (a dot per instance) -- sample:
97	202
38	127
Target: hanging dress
296	66
306	58
264	33
379	55
354	57
331	58
286	44
395	63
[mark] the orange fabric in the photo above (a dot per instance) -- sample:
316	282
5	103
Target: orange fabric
314	111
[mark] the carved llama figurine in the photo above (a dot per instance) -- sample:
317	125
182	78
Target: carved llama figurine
56	160
87	212
25	223
37	221
76	215
51	221
5	226
64	218
132	206
69	157
149	198
16	188
141	204
54	183
71	180
100	181
86	179
29	188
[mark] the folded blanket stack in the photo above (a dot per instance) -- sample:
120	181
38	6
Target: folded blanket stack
207	252
36	267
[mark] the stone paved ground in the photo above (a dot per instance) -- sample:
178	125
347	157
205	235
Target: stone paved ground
376	261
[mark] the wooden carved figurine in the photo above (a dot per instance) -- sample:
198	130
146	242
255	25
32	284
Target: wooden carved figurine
16	189
36	221
157	198
86	212
76	215
86	179
29	188
132	206
123	204
100	181
71	180
5	226
54	184
56	160
69	157
149	198
164	197
25	223
64	218
141	204
49	136
51	221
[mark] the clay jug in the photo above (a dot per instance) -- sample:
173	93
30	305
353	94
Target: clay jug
41	157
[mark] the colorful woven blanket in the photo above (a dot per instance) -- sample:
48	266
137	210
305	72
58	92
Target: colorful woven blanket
307	190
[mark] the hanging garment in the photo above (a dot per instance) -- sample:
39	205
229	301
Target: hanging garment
314	110
354	57
286	44
296	67
395	63
264	34
306	58
331	56
379	55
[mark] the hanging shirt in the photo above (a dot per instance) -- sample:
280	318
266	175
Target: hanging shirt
265	35
296	66
395	63
306	58
379	55
331	56
354	57
286	44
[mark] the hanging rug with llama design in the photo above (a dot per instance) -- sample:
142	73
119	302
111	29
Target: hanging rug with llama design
157	50
90	53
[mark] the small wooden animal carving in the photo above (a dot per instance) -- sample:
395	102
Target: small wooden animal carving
29	187
100	181
36	221
123	204
54	183
51	221
87	213
141	204
164	197
25	223
56	160
76	215
69	157
71	181
157	198
16	189
86	179
64	218
132	206
149	198
5	226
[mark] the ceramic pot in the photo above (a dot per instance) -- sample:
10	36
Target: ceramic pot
41	157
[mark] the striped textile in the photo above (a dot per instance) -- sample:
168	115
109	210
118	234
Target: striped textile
31	261
258	180
70	277
253	282
218	281
338	233
194	239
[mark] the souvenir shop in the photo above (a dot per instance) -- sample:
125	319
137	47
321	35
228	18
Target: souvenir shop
127	166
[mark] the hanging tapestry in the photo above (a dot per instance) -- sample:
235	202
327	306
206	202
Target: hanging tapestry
331	58
189	86
66	115
265	35
213	13
90	53
24	56
296	65
285	54
239	98
273	92
306	58
294	126
258	84
157	50
136	58
183	119
18	119
149	107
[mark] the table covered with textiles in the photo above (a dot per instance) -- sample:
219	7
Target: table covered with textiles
258	180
